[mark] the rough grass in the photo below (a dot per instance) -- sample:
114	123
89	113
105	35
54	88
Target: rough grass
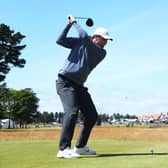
98	133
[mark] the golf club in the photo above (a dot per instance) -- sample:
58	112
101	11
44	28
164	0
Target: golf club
89	21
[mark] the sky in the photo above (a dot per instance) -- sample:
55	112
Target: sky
133	76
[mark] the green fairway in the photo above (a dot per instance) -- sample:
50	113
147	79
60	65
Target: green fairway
110	153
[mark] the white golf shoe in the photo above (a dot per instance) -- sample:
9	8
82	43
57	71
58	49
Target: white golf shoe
84	151
67	153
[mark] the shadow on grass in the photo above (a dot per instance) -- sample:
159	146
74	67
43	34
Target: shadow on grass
129	154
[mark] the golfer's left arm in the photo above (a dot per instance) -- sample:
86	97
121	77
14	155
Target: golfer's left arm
65	41
82	33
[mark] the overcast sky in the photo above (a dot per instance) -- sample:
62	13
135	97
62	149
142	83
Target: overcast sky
133	76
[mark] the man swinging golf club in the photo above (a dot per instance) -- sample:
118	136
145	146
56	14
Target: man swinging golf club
86	52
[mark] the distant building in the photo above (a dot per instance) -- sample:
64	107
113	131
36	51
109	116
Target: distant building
153	117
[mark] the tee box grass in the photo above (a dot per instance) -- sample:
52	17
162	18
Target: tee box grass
110	153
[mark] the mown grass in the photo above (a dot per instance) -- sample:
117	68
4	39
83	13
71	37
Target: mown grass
110	153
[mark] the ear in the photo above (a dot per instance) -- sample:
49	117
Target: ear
94	39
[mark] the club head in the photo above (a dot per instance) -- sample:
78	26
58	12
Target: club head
89	22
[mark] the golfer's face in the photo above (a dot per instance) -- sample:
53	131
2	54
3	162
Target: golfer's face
101	41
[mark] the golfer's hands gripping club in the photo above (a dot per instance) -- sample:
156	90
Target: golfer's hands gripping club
71	19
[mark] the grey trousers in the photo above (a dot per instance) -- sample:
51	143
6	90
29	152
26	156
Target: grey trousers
75	98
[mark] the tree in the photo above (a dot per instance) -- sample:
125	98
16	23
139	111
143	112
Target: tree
56	116
7	97
26	106
3	96
20	106
38	118
10	50
45	117
60	117
52	117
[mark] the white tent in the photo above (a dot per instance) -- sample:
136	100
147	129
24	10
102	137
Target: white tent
5	123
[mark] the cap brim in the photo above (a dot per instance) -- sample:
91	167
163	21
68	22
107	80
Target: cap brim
107	38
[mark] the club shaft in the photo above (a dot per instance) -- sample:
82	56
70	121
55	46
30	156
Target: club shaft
81	18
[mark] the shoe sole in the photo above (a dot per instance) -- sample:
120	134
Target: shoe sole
67	157
87	153
63	157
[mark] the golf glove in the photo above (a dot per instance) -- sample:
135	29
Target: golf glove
71	19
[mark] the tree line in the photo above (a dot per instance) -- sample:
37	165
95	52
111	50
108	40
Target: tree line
21	106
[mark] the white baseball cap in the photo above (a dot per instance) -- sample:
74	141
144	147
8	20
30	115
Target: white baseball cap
103	32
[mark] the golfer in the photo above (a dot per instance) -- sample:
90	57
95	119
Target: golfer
85	53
